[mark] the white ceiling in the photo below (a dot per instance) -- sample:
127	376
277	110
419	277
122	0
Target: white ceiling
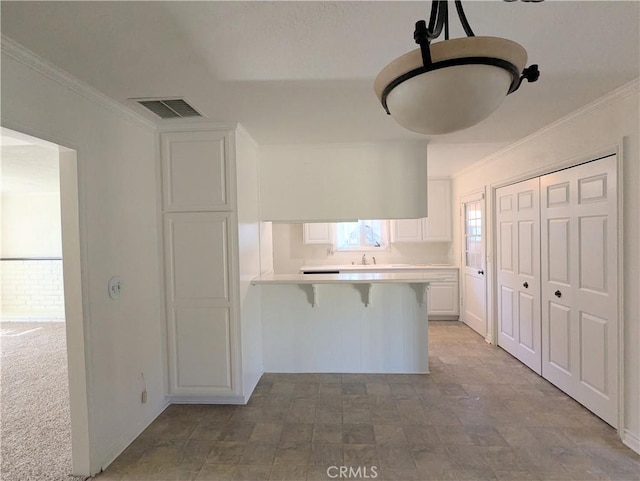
302	72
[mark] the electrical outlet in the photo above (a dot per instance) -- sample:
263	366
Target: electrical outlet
143	398
115	287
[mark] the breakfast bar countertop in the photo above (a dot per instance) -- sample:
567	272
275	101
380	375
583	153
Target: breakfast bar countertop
350	278
329	268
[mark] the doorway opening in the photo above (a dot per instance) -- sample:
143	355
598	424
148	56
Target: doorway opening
42	340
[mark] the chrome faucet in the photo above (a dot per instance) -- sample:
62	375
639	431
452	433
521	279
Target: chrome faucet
364	259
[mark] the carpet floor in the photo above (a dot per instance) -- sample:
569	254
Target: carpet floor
35	430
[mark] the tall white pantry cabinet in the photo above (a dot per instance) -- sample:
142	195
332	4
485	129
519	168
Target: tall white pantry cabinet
211	243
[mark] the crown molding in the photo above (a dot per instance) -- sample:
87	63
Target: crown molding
16	51
611	98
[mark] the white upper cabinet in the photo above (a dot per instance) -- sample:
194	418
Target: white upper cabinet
317	233
407	230
435	228
195	171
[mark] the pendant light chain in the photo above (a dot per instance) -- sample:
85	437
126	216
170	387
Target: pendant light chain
438	20
463	19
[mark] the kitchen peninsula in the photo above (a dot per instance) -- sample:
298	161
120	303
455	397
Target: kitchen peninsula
371	322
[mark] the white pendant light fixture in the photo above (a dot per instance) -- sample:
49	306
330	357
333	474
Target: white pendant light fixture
451	85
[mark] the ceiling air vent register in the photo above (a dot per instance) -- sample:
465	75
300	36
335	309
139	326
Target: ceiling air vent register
174	108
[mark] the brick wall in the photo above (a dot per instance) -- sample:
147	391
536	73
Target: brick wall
32	289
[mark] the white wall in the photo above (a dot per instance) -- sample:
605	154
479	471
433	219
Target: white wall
331	182
289	252
31	224
118	235
593	130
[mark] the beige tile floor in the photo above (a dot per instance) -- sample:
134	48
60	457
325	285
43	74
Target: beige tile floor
479	415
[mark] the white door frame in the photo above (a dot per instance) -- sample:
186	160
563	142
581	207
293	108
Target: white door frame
470	197
74	251
491	238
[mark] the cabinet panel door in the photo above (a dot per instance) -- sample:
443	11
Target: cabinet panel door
199	257
202	360
195	171
317	233
437	226
406	230
199	303
443	299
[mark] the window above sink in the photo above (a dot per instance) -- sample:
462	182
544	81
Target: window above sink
356	236
363	235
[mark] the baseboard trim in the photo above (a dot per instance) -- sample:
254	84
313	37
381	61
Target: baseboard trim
631	441
207	400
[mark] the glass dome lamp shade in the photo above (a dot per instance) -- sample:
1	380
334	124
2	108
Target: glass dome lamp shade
454	84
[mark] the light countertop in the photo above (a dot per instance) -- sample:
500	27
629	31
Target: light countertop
350	278
376	267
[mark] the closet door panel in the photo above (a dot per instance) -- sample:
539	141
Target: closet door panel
507	312
558	250
559	338
527	321
518	276
593	253
580	292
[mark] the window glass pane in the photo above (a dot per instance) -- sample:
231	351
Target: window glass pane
473	260
348	234
473	232
372	232
361	235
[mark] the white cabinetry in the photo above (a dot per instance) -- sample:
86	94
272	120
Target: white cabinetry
407	230
317	233
195	167
443	299
436	227
199	302
208	308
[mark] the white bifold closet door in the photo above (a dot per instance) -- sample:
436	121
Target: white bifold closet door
580	284
518	236
557	280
